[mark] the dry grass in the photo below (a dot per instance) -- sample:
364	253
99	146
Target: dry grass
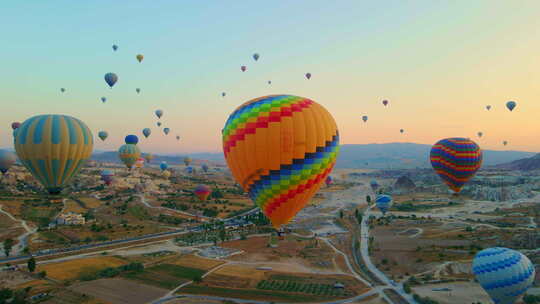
37	286
72	206
72	269
243	272
196	262
91	202
12	207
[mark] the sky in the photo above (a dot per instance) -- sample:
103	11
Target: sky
439	63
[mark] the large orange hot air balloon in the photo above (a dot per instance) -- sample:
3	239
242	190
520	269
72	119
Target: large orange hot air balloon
280	149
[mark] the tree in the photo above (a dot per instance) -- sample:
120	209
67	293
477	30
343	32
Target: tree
31	264
42	274
8	244
340	213
197	279
222	234
368	199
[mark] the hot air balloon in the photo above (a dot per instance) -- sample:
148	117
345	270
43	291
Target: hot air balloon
505	274
111	79
488	107
243	68
187	161
159	124
189	170
131	140
163	166
480	134
204	167
374	185
129	154
383	202
53	148
115	47
138	90
385	102
329	180
15	125
148	157
456	161
103	99
280	178
365	118
159	113
223	94
166	174
256	56
269	81
139	163
177	137
7	159
308	75
107	176
62	90
146	132
139	57
103	135
401	131
511	105
202	192
166	131
505	143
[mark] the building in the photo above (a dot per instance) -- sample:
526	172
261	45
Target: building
70	218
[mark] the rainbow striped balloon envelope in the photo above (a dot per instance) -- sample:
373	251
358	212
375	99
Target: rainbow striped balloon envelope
456	161
280	149
202	192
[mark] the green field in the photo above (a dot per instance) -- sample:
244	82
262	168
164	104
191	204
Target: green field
250	294
165	275
301	287
138	212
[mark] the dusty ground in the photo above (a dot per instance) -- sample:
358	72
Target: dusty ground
73	268
119	291
13	278
195	262
461	293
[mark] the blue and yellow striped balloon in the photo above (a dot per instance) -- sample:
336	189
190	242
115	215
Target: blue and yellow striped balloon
53	148
129	154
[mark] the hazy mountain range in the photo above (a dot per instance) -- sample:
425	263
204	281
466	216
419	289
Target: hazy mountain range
391	155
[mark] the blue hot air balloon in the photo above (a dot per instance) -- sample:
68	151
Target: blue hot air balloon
103	99
166	131
131	139
511	105
374	185
505	274
189	170
383	202
103	135
111	79
163	166
115	47
146	132
205	167
7	159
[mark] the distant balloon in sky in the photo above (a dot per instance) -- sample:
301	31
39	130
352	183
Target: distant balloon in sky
15	125
148	157
373	184
401	131
308	75
131	140
243	68
166	131
163	166
111	79
53	148
505	274
202	192
189	169
329	180
146	132
223	94
385	102
103	135
488	107
456	161
115	47
269	81
365	118
177	137
139	163
298	166
204	167
7	159
159	124
139	57
187	161
107	176
62	90
256	56
505	143
159	113
511	105
129	154
103	99
166	173
137	90
383	202
480	134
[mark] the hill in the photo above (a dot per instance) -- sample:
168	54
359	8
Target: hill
525	164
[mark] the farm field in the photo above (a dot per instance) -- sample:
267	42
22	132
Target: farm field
119	291
73	206
166	276
73	269
195	261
